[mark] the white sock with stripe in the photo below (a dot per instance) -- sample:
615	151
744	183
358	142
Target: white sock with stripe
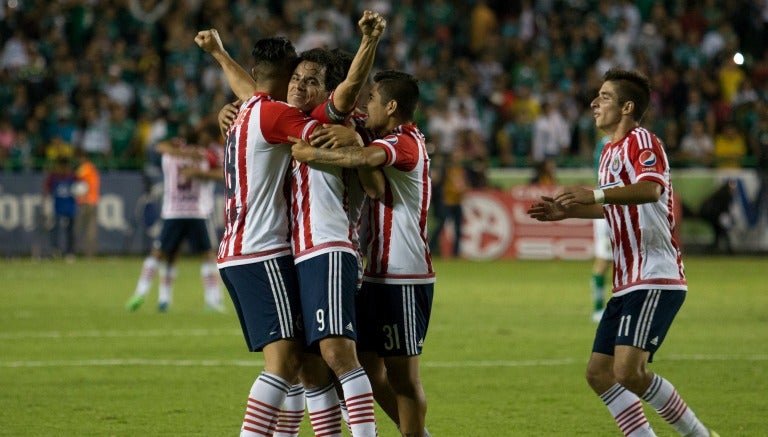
147	276
324	411
292	413
267	395
345	413
210	276
358	396
167	279
663	397
627	410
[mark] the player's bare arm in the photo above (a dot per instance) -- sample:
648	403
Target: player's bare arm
242	84
333	136
373	181
634	194
227	116
371	25
348	157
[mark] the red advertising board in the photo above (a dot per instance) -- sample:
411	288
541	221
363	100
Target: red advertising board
496	226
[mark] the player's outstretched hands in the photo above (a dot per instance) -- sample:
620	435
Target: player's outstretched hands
372	24
301	150
227	115
209	40
547	210
331	136
570	196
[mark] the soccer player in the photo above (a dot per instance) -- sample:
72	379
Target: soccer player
398	284
649	286
255	258
603	253
326	260
190	169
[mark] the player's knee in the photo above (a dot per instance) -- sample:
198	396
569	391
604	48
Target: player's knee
631	377
598	379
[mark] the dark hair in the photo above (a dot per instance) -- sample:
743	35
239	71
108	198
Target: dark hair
400	87
329	60
275	52
631	86
341	64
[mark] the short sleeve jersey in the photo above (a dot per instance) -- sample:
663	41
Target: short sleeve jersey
326	201
184	196
257	160
645	252
397	248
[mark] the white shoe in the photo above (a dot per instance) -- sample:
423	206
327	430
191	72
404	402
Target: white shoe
597	315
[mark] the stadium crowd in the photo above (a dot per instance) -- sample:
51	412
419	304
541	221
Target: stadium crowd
509	82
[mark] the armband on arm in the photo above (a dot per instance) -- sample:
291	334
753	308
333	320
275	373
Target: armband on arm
334	115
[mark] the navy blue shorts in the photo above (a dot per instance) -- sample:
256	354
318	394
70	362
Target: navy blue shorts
328	283
640	319
393	318
197	232
266	298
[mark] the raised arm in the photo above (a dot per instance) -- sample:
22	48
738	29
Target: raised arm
240	81
372	26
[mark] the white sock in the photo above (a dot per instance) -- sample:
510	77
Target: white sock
167	279
292	413
210	276
627	410
147	276
267	395
324	412
358	396
345	413
663	397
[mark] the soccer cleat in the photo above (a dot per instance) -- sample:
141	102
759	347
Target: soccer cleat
134	303
713	433
162	307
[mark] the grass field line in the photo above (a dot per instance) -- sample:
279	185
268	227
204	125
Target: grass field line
27	335
142	362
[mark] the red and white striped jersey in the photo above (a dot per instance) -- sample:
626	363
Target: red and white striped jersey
326	203
396	247
257	180
645	252
184	196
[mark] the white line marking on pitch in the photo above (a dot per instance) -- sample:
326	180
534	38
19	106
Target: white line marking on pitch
140	362
23	335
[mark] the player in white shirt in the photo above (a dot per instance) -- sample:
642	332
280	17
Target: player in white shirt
255	258
191	168
398	283
649	285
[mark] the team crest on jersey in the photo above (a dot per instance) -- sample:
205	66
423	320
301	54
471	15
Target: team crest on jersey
615	163
647	158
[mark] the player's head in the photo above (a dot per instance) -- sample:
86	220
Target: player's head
392	100
633	90
313	79
274	59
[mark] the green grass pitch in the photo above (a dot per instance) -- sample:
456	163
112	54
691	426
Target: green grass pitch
505	355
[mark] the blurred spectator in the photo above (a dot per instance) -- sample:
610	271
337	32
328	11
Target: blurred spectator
87	223
451	177
730	147
551	134
696	147
545	173
715	210
59	193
